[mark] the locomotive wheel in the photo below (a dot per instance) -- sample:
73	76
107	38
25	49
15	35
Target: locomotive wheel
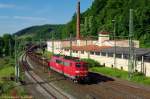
75	81
66	78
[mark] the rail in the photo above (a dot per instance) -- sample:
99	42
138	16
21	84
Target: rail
27	68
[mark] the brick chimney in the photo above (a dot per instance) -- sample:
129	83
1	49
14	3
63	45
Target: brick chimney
78	21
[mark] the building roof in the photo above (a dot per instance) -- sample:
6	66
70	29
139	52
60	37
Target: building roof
125	50
147	55
89	48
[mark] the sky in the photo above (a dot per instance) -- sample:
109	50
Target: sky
19	14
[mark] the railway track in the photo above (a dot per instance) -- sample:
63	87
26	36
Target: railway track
115	89
46	87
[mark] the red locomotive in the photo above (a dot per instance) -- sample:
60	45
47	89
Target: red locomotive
71	67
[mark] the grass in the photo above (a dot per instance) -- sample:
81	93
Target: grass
7	69
137	77
2	61
47	54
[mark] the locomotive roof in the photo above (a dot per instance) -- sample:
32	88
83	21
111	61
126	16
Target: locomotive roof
76	59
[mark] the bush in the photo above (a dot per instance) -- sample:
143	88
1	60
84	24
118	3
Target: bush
138	74
91	62
7	86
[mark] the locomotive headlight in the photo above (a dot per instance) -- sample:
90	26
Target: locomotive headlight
77	71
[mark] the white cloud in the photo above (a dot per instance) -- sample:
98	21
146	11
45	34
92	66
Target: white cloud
4	17
6	5
29	18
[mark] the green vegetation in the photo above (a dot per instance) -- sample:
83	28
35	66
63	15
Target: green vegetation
7	44
41	32
47	54
111	72
7	64
7	70
91	62
137	77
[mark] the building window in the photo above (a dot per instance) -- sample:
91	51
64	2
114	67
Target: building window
92	53
75	51
103	54
66	49
146	59
126	56
110	54
97	53
119	55
82	52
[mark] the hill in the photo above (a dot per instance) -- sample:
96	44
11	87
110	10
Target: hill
43	32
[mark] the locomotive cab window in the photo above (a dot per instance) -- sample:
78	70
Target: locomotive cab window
66	63
78	65
59	61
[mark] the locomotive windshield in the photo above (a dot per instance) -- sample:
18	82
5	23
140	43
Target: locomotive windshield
78	65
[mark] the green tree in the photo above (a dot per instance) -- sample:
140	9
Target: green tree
8	44
1	46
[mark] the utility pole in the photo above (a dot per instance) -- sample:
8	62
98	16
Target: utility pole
70	45
114	37
52	44
131	47
18	72
9	47
40	41
16	62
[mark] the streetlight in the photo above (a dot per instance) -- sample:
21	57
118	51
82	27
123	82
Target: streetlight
114	37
